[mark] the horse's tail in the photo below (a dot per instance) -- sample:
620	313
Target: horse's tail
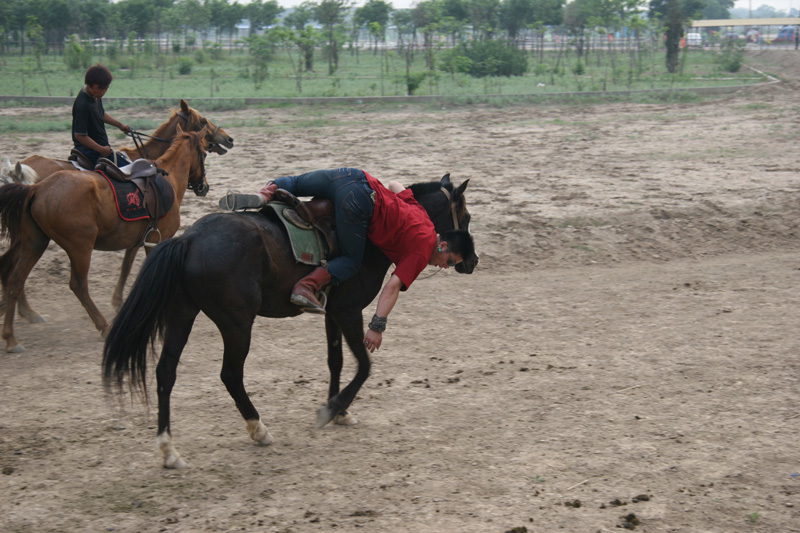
142	318
14	200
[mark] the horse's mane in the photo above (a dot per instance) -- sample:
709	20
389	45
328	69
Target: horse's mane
192	122
426	187
196	138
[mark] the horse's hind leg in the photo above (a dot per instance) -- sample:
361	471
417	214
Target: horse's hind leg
125	271
29	252
175	336
79	283
236	337
7	261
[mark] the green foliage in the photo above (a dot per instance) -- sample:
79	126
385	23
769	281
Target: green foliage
494	58
185	66
200	57
413	81
76	57
731	55
579	69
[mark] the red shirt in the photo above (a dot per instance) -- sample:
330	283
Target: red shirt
401	229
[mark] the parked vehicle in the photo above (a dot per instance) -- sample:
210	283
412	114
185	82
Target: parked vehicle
694	40
786	35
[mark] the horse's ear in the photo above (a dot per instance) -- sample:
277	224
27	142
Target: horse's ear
184	106
445	179
461	188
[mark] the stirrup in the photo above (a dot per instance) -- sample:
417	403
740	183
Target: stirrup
308	306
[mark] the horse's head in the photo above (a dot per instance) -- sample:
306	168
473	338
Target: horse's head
447	208
191	146
218	139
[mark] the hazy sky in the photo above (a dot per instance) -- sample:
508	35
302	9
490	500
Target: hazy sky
783	5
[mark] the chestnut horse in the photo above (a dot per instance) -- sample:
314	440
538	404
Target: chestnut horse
77	210
234	267
189	120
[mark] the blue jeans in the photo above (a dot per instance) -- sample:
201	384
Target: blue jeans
93	156
353	204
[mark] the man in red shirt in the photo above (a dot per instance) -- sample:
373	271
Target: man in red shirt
364	209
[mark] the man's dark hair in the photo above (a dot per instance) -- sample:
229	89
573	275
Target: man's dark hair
459	242
98	75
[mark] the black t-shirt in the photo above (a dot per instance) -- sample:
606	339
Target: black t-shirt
87	119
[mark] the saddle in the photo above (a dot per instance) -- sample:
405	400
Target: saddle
315	214
141	191
79	159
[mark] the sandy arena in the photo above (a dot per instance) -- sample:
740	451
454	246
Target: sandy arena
625	354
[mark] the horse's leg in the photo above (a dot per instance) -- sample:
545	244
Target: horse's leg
7	262
125	271
335	361
236	338
351	326
28	253
79	283
175	336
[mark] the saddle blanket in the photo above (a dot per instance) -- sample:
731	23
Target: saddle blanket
130	200
306	243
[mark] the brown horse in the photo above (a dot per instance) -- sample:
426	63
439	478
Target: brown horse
78	211
157	144
189	120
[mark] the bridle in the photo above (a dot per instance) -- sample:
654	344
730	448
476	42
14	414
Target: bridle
142	149
199	185
452	205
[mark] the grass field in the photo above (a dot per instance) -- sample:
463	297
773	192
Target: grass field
359	75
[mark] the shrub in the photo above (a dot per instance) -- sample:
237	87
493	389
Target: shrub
731	55
185	66
76	56
494	58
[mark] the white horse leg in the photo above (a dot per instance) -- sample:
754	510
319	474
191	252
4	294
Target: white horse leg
259	432
172	458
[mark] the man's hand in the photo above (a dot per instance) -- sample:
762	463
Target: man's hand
372	340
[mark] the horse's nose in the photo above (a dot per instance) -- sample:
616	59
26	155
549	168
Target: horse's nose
467	265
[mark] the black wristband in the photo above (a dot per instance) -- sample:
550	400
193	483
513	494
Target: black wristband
378	324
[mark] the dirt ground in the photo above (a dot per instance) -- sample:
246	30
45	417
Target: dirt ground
624	356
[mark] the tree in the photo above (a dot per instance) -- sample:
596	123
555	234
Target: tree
374	12
330	13
717	9
262	14
674	15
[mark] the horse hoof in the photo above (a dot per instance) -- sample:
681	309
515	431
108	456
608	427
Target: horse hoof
36	319
345	419
174	462
15	349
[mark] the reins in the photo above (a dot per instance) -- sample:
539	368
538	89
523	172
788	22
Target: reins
139	143
452	206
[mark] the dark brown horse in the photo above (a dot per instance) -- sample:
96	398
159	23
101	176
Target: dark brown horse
234	267
77	210
156	144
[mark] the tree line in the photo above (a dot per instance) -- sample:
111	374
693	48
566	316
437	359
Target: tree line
52	25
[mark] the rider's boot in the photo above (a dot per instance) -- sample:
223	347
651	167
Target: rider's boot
234	201
304	292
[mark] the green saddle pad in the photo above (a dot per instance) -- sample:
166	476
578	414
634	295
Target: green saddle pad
306	243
